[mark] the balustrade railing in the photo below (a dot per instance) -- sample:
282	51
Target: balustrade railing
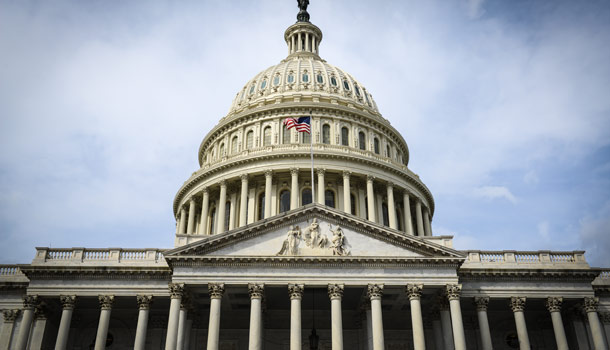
98	255
9	270
59	254
529	257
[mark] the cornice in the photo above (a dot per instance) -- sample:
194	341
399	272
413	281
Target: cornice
530	274
101	272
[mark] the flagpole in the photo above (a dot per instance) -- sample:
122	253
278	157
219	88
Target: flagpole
311	149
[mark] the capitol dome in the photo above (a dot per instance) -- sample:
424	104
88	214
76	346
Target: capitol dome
253	167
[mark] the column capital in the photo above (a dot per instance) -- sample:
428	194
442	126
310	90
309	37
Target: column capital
295	291
553	304
176	290
517	303
216	290
244	177
30	301
223	183
390	184
67	301
347	174
370	178
204	190
256	290
185	302
144	301
10	315
192	200
320	171
591	304
294	171
374	291
481	303
40	313
335	291
106	301
453	291
414	291
268	173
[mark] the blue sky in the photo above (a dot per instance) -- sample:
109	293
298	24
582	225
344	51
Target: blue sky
505	106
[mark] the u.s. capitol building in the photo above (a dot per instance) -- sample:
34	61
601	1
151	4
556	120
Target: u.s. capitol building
271	253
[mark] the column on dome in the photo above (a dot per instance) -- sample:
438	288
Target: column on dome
553	304
222	208
106	302
268	189
256	323
216	290
427	227
457	324
144	302
443	307
182	322
191	223
296	295
375	292
370	194
481	304
294	188
517	304
335	293
347	200
419	218
67	308
391	208
38	328
407	213
292	46
205	205
307	42
233	210
243	201
299	42
417	322
591	304
321	186
7	328
30	302
182	221
176	292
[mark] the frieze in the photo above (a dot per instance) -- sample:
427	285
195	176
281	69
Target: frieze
314	242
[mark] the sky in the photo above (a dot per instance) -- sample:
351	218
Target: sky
505	106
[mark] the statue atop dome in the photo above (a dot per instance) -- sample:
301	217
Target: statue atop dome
303	16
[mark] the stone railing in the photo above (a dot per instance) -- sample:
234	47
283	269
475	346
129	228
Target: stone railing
603	280
62	256
523	258
11	273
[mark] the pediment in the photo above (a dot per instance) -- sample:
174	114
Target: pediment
314	231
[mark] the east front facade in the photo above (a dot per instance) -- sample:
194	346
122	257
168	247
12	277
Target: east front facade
308	236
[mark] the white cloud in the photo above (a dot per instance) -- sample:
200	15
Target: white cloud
595	235
495	192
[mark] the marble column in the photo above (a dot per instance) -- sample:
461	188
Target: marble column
268	188
553	304
191	223
419	218
216	290
144	302
481	304
437	330
443	307
335	293
29	304
453	294
176	292
296	294
347	199
591	304
517	304
182	330
321	187
255	341
243	201
391	206
102	328
233	210
294	188
222	208
375	292
67	305
370	197
205	204
182	221
427	227
417	322
40	322
407	213
7	328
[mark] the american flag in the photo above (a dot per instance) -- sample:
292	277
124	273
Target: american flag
303	124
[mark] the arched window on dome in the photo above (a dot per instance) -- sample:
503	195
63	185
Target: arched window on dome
333	81
285	135
261	206
329	198
305	137
212	220
227	217
306	196
376	145
326	134
234	144
263	84
252	89
267	136
320	78
250	139
305	77
221	151
361	140
345	136
346	85
284	201
276	80
357	90
290	78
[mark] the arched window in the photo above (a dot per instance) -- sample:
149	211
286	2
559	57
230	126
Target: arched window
306	196
326	134
212	220
329	198
285	135
345	136
361	140
333	80
376	145
284	201
267	136
305	77
221	151
227	216
250	139
261	206
276	80
387	151
384	212
234	145
305	137
353	206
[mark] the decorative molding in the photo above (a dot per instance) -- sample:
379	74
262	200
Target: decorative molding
106	301
374	291
481	303
370	178
256	290
67	301
185	302
347	173
216	290
320	171
268	173
335	291
453	291
30	301
295	291
144	301
40	312
176	290
414	291
517	304
591	304
294	171
11	315
553	304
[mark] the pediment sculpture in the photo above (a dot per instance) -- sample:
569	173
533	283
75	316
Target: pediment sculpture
314	241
